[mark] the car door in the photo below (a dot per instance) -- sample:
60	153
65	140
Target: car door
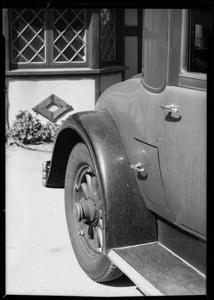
183	148
183	164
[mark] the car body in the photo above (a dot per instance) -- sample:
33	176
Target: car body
147	140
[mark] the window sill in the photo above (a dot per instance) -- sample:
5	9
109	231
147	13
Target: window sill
64	72
193	80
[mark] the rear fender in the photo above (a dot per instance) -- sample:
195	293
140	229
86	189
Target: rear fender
127	219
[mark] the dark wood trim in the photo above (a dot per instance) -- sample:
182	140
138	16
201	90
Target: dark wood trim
64	72
5	31
120	44
97	88
7	105
140	39
11	66
132	30
137	31
93	39
123	74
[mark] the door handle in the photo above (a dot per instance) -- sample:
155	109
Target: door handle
170	108
138	167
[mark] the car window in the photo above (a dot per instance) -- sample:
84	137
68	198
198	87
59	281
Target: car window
200	30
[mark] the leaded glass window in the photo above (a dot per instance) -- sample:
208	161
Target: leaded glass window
28	36
69	35
107	35
47	37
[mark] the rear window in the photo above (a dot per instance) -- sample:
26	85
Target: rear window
201	23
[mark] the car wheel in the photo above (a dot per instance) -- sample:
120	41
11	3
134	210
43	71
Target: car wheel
84	215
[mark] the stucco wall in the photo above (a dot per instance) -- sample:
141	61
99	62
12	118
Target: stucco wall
25	94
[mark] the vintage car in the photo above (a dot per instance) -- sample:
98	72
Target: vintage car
134	169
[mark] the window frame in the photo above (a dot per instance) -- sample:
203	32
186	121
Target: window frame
186	78
178	74
192	38
71	64
13	65
49	53
93	60
119	44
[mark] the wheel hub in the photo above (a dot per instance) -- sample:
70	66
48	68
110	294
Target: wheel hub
84	210
87	210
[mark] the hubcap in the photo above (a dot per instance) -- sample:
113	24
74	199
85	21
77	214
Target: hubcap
84	209
87	211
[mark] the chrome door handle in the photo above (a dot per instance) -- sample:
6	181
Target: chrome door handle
138	167
170	108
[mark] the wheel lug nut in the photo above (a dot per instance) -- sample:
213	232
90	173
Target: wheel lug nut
89	170
78	211
81	233
76	188
99	250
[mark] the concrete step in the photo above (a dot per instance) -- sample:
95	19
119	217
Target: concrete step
156	270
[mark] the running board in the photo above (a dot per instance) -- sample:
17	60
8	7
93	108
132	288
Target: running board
156	270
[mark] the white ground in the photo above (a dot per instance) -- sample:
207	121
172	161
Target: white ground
39	256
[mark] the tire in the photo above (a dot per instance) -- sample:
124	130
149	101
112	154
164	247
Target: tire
83	208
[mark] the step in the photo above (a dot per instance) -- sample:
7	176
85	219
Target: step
156	270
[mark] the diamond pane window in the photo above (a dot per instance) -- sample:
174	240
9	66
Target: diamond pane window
107	35
69	35
28	36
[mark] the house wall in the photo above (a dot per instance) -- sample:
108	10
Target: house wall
131	56
79	91
25	94
132	41
108	80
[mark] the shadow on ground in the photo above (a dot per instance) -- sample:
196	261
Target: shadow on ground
123	281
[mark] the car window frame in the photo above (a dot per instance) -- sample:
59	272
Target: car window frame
186	78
